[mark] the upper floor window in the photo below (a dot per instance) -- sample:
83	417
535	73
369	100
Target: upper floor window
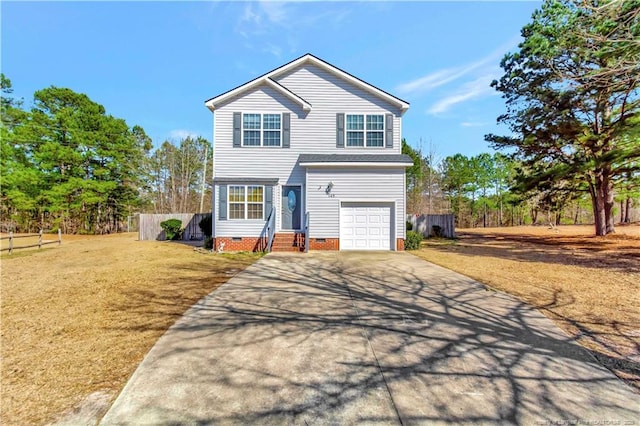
365	130
261	130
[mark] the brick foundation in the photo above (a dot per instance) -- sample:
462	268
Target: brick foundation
240	244
258	244
324	244
281	242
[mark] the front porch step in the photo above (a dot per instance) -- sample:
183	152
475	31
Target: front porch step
286	248
293	242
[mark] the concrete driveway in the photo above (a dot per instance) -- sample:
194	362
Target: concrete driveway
345	338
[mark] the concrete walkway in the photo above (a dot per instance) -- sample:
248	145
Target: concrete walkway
384	338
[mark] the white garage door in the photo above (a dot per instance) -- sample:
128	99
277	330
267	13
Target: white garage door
365	226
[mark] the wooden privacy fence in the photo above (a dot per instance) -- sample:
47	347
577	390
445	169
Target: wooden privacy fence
149	226
40	243
430	225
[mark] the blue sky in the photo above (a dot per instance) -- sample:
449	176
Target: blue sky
155	63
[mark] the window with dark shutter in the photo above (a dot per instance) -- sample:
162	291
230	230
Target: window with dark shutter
237	129
388	137
286	134
222	202
340	130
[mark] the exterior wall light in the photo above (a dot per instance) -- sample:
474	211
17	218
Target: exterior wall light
329	186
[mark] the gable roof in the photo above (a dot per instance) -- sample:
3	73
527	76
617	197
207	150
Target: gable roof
211	103
308	58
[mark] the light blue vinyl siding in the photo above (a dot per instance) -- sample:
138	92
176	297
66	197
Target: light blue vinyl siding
248	161
354	184
312	132
328	95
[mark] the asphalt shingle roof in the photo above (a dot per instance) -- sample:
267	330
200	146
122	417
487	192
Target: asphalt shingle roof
355	158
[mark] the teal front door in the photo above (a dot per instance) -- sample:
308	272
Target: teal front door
291	208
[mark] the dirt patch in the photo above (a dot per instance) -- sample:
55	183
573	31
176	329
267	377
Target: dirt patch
590	286
88	412
77	319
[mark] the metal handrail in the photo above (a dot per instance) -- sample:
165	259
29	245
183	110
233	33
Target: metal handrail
306	232
271	228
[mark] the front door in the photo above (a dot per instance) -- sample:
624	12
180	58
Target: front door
291	208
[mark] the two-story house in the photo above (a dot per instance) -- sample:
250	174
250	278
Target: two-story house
308	151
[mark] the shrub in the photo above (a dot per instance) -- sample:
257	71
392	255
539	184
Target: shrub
208	242
172	228
205	225
409	226
413	240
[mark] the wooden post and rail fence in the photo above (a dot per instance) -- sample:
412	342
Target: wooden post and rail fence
39	244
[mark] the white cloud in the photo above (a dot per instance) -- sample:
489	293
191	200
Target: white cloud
258	19
276	12
447	75
439	78
248	15
473	123
468	91
455	88
282	22
426	83
183	134
273	49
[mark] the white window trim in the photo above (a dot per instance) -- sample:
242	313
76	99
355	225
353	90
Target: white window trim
246	202
364	131
262	130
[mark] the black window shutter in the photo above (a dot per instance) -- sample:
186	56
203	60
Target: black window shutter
388	134
340	130
222	202
286	124
237	129
268	201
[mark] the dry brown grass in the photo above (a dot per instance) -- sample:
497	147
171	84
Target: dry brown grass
590	286
79	318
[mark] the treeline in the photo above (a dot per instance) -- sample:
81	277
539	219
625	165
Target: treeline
490	190
179	175
572	96
67	164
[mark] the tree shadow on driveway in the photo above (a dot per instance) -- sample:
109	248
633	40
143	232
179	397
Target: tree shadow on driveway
334	338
